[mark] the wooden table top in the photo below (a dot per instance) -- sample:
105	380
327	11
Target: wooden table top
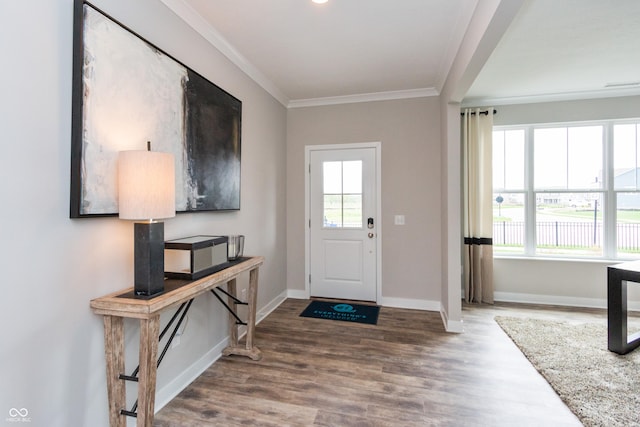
124	304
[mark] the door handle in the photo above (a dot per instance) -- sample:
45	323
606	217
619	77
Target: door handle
370	235
369	222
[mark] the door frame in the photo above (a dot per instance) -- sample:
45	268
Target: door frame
307	207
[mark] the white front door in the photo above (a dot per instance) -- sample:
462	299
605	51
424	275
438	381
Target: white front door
343	224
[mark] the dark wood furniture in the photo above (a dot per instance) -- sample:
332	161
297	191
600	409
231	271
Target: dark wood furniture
617	278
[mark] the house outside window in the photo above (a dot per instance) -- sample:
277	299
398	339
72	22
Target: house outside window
567	190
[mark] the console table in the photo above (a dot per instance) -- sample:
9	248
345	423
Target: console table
617	277
118	305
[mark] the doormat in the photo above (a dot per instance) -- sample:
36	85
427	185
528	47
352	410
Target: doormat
342	311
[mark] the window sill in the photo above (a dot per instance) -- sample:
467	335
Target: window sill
561	259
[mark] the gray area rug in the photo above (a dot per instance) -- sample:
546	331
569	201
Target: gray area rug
600	387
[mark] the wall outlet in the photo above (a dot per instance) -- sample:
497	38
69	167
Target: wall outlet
243	295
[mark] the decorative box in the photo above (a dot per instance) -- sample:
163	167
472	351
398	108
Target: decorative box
194	257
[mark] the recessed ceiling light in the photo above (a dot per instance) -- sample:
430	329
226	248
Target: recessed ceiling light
320	1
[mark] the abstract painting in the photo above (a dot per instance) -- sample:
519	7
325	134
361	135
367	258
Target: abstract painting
126	92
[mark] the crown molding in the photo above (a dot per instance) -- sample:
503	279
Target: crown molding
189	15
551	97
206	30
364	97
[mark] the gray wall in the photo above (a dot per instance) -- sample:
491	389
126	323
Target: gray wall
569	282
567	111
52	353
409	131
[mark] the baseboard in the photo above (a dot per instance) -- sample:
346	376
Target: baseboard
558	300
297	294
272	305
453	326
179	383
549	300
414	304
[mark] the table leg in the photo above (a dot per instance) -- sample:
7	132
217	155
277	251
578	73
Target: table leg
149	332
251	316
233	327
249	350
114	354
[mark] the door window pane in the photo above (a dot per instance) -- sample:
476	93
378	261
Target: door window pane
352	177
332	177
352	210
333	210
342	189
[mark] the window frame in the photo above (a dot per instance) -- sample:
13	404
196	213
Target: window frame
608	191
341	195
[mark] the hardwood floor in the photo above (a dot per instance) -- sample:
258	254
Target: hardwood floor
406	371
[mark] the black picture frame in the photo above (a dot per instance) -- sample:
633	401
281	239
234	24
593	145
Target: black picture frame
126	91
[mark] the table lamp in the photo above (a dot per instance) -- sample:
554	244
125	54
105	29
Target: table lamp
146	192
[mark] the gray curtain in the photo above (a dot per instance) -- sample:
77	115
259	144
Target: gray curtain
477	129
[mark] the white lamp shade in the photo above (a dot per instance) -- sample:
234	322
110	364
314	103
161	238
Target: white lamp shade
146	185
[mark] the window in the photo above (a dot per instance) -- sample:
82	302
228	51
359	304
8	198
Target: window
626	156
567	190
342	189
509	178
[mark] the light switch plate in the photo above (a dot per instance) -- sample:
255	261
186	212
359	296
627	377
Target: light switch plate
398	220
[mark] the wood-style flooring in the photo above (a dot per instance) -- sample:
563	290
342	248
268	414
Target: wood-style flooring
404	371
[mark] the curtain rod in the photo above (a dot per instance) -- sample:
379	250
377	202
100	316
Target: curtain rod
486	112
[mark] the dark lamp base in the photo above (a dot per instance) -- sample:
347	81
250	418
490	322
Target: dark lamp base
149	258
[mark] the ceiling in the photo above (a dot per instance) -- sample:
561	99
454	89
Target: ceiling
559	50
343	50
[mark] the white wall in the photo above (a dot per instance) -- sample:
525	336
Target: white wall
490	20
575	283
52	360
409	131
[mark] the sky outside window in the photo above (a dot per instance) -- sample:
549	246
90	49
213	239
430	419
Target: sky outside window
625	156
508	159
568	158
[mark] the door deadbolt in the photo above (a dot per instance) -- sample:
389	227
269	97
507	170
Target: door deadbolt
370	235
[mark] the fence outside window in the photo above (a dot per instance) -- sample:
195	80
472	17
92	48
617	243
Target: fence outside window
569	234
